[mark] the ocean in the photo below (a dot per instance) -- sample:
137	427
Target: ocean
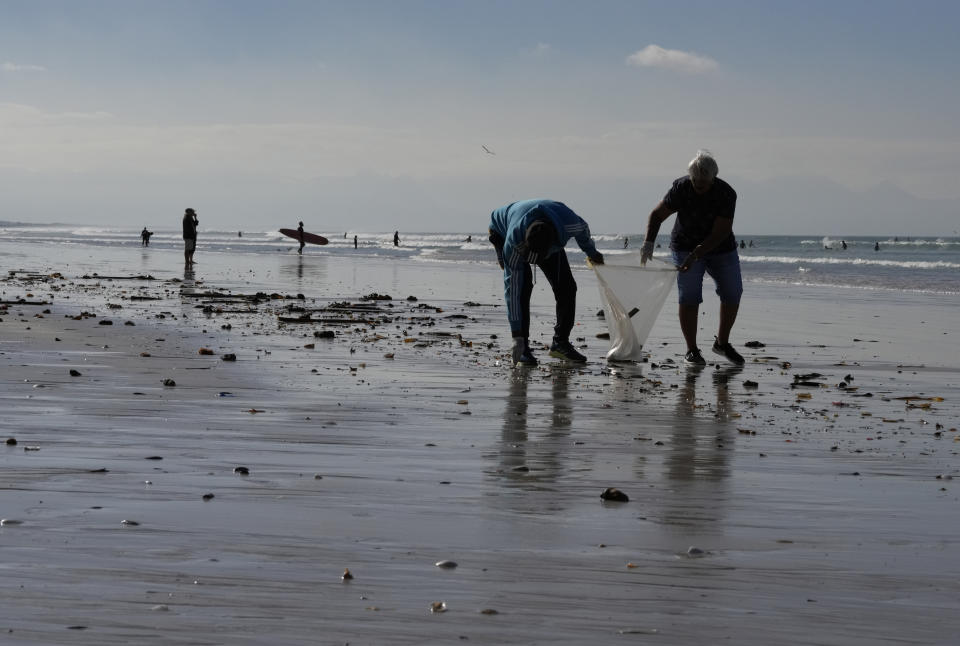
907	264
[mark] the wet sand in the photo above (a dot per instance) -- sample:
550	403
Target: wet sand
818	514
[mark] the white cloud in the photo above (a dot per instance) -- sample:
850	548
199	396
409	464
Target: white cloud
672	59
16	67
16	114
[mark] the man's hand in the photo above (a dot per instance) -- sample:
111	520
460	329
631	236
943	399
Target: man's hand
596	259
688	263
646	252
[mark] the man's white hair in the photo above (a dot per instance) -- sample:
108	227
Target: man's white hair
703	165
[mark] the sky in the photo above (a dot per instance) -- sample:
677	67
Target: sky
828	118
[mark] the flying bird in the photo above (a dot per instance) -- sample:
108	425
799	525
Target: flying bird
487	150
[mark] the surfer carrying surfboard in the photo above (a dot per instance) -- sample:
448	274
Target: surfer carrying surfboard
300	238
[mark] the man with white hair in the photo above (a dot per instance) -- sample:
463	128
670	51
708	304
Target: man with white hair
702	241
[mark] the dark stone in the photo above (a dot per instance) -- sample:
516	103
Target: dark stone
614	495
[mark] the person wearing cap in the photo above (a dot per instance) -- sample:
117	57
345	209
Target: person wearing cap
535	232
190	222
702	241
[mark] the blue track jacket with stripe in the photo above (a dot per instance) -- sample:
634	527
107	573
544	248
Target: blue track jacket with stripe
510	223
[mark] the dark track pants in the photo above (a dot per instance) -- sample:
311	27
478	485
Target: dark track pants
556	269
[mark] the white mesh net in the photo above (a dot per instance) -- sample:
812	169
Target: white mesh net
632	297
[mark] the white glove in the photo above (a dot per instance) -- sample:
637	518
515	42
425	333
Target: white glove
646	252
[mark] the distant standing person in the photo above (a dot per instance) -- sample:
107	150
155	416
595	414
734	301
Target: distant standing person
396	238
354	242
145	237
190	222
843	245
300	238
876	246
626	241
535	232
702	241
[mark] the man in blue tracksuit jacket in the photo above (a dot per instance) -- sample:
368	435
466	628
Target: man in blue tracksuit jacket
535	232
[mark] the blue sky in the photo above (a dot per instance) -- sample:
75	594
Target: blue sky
829	117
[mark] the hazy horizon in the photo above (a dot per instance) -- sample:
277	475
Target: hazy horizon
426	115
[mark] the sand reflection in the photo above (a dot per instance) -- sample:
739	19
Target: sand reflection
533	463
698	462
302	271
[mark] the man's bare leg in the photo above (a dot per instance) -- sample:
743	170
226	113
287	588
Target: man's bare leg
688	324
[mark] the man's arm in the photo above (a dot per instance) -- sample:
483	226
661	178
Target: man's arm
497	241
722	228
587	245
658	215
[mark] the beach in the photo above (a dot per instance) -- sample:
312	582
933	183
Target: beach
767	505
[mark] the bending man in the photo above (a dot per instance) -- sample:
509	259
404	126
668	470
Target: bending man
535	232
702	241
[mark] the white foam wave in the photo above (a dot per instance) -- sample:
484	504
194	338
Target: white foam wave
905	264
827	284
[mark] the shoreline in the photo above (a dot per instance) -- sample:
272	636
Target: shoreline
813	525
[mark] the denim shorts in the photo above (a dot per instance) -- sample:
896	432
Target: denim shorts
724	268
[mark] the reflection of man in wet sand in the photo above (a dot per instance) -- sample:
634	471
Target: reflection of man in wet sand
691	457
530	465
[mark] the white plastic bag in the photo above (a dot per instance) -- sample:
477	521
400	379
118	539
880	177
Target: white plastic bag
632	297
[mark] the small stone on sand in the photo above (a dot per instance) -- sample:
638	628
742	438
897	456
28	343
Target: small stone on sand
614	495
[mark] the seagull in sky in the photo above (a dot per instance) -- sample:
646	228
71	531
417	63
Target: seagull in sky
487	150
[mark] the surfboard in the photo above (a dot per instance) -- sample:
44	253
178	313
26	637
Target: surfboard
312	238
